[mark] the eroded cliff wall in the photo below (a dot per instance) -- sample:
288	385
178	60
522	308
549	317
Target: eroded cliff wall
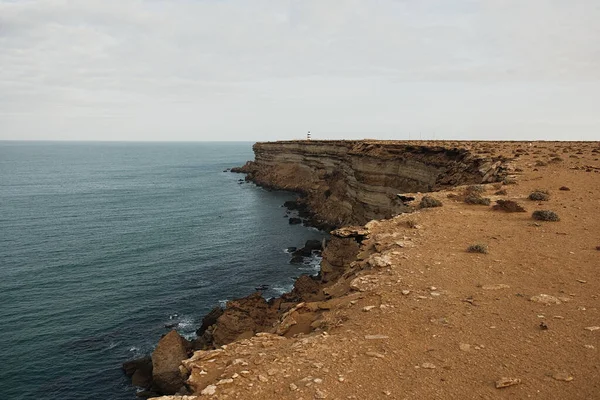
352	182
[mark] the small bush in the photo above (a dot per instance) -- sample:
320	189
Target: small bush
539	195
478	248
429	202
477	199
508	206
411	223
474	189
545	215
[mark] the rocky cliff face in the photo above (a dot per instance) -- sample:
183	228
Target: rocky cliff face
352	182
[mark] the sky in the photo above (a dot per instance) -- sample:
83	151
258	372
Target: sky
193	70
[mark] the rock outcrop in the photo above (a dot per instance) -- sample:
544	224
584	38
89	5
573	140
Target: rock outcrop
352	182
166	359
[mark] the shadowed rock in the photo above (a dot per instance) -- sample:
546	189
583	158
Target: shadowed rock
166	358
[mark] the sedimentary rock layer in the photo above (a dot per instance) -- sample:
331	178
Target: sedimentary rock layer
352	182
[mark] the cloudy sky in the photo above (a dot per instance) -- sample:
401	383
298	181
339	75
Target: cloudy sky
274	69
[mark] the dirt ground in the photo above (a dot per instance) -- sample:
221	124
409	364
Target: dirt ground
440	322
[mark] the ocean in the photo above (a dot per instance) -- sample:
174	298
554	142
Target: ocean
103	244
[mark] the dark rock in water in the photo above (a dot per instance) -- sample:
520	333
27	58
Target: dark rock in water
140	371
166	358
242	318
297	259
173	325
309	247
291	204
291	249
209	320
295	221
261	288
313	245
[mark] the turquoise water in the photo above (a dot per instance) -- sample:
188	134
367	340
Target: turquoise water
102	244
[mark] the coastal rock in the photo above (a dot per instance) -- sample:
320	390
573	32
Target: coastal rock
209	320
140	371
306	288
166	358
242	318
309	247
337	256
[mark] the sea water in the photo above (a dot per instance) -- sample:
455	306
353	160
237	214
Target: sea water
103	244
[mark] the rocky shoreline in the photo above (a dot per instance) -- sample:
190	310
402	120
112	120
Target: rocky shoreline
300	311
159	374
462	298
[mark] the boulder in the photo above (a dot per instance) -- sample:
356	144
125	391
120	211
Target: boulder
294	221
140	371
166	359
308	248
243	318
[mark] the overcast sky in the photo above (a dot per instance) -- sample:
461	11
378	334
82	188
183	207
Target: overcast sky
266	70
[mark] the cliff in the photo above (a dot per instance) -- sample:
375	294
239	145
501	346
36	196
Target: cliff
352	182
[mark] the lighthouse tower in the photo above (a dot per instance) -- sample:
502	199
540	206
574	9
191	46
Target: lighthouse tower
308	136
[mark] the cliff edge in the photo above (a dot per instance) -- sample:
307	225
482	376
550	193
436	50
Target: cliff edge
353	182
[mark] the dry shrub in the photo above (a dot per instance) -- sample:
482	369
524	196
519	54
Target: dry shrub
478	248
411	223
429	202
508	206
477	199
539	195
475	189
545	215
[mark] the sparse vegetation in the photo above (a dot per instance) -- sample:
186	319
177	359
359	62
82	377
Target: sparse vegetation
478	248
508	206
539	195
545	215
411	223
477	199
429	202
474	189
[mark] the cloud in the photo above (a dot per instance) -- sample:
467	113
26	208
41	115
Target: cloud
268	69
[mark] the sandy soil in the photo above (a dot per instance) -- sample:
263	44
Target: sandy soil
444	323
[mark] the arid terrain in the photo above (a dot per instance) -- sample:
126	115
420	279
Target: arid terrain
414	315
